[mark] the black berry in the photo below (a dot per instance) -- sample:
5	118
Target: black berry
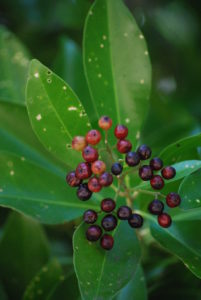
93	233
173	200
156	163
145	172
90	216
116	168
144	151
108	205
107	242
156	207
72	180
83	192
135	221
105	179
164	220
157	182
124	212
109	222
168	172
132	159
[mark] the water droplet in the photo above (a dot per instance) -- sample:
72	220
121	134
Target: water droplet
197	200
101	45
36	75
68	146
38	117
99	75
12	172
64	87
44	129
49	80
49	72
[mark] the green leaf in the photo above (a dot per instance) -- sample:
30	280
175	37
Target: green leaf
14	61
33	190
23	251
44	282
180	150
102	274
117	64
3	295
135	289
55	112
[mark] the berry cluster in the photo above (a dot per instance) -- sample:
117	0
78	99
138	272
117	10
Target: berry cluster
92	175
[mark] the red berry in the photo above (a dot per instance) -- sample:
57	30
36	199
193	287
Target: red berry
83	170
94	185
108	205
72	180
157	182
164	220
93	137
173	200
144	151
124	146
105	122
168	172
93	233
124	212
121	131
83	192
145	172
156	163
135	221
90	154
109	222
98	167
105	179
156	207
79	143
107	242
90	216
132	159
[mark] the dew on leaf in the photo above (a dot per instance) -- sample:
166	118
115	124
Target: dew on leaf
101	45
68	146
49	72
12	172
36	75
49	80
38	117
64	87
197	200
44	129
99	75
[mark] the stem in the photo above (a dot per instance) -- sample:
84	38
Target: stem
155	194
108	149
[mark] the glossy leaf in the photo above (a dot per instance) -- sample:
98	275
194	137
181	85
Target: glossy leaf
23	251
14	61
118	89
41	285
3	295
33	190
135	289
55	112
102	274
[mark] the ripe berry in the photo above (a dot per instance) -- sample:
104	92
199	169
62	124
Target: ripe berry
157	182
93	233
173	199
83	192
105	179
144	151
124	212
90	154
135	221
83	170
90	216
164	220
109	222
145	172
168	172
93	137
105	122
156	207
116	168
108	205
132	159
72	180
156	163
121	131
98	167
94	185
107	242
79	143
124	146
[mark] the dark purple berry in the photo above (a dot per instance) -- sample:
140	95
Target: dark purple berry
121	131
124	212
72	180
109	222
164	220
93	233
124	146
145	172
90	216
105	179
156	207
107	242
83	192
168	172
83	170
108	205
173	200
157	182
144	151
90	154
116	168
135	221
132	159
156	163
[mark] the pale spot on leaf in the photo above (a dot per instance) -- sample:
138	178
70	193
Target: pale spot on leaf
70	108
38	117
36	75
127	120
141	36
142	81
102	45
12	172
